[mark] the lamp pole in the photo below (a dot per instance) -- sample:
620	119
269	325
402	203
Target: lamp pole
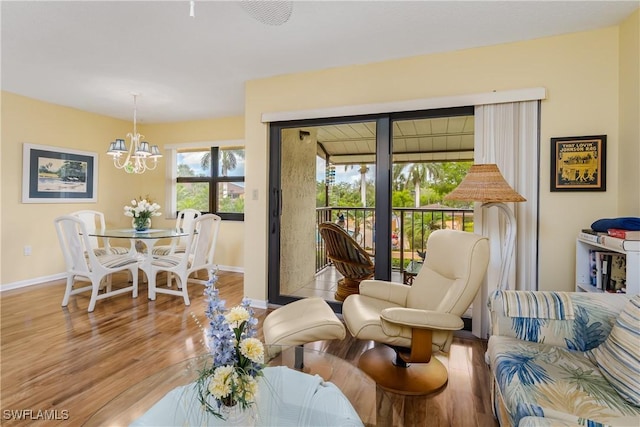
510	239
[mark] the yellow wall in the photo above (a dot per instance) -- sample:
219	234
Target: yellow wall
579	71
28	120
629	156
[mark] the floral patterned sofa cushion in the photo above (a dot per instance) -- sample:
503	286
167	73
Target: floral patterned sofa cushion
537	354
618	357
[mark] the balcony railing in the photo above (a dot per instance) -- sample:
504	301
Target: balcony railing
410	230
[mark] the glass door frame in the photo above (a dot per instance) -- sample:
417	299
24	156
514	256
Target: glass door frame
383	183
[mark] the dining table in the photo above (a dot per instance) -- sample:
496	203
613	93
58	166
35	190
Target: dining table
148	238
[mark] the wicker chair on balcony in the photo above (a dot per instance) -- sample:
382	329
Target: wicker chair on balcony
349	258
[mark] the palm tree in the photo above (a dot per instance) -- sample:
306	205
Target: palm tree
228	162
416	175
398	177
363	182
419	173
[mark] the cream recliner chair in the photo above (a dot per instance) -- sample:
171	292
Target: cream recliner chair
414	321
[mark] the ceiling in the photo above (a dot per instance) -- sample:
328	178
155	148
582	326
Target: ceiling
92	55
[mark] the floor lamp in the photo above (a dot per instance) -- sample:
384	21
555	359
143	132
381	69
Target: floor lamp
485	183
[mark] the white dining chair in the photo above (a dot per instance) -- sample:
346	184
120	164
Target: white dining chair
199	252
184	221
82	264
95	220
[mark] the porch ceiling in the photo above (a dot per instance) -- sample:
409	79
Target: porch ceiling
423	140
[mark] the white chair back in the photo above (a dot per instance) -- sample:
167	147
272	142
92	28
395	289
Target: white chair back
185	221
204	244
74	242
92	220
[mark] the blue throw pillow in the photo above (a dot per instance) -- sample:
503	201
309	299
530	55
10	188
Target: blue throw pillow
623	223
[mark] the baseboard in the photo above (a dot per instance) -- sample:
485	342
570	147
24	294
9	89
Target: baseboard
258	303
31	282
59	276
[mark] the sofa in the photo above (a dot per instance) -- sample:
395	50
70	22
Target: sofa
564	358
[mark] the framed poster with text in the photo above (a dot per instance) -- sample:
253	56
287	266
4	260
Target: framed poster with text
578	163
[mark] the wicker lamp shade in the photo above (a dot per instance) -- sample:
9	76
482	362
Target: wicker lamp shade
485	183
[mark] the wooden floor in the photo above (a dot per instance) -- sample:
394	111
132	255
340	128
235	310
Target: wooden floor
71	363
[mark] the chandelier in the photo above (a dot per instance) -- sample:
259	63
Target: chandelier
140	156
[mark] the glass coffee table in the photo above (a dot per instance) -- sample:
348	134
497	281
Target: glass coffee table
279	401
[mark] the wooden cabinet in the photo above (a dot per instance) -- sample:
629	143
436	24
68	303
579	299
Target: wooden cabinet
584	265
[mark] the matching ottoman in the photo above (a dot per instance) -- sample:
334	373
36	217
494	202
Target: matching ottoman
301	322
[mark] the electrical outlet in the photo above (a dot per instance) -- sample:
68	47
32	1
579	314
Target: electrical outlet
27	250
254	194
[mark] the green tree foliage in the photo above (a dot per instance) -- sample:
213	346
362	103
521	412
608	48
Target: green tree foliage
452	175
228	204
401	199
321	199
429	196
185	170
193	195
438	180
345	194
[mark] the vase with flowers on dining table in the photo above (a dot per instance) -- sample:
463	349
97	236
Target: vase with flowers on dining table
141	212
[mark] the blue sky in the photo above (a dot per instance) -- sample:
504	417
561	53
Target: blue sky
192	159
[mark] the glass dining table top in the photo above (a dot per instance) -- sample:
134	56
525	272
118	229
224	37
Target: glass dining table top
131	233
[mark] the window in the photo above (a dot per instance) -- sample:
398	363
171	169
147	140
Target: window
211	180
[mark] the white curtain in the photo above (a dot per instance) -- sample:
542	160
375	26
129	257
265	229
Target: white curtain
508	135
171	174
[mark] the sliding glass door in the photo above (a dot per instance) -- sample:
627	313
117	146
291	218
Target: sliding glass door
344	171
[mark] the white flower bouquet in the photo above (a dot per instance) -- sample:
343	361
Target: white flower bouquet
238	357
141	211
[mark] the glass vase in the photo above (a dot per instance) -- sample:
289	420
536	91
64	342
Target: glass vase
141	224
236	416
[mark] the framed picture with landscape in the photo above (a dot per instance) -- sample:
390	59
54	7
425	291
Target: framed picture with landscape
58	175
578	163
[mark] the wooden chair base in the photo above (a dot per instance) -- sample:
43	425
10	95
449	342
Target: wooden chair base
416	379
346	287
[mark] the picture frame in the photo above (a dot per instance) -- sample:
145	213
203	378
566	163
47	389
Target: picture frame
578	163
58	175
